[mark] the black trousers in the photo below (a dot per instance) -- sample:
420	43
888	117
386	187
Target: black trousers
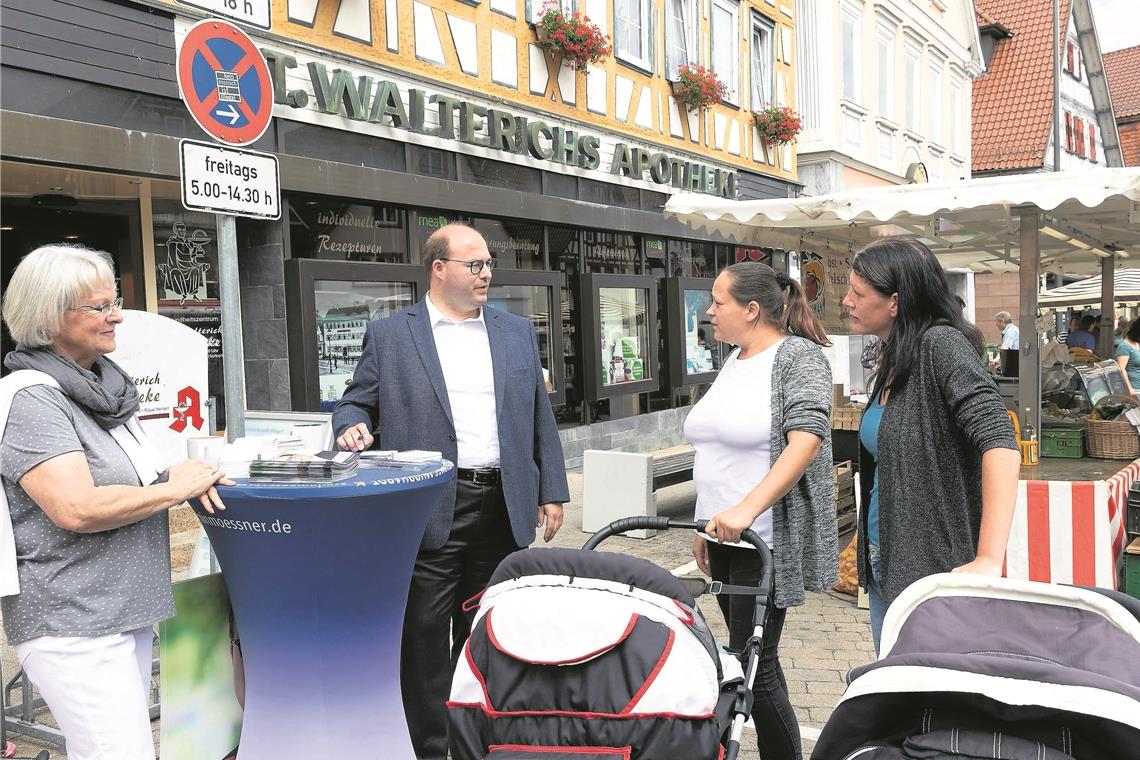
435	626
777	731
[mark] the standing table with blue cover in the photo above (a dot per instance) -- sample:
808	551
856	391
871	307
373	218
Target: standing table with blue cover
318	576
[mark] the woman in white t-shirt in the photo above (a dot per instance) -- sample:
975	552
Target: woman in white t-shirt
762	435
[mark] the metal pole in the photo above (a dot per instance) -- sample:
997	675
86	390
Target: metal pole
233	354
1029	361
1107	307
1057	86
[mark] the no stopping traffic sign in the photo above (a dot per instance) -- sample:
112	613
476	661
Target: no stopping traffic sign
225	82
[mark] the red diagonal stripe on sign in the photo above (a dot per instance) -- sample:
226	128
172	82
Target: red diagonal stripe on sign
211	61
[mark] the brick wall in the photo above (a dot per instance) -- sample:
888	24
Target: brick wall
994	293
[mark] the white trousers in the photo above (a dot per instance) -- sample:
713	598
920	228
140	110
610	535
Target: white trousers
96	688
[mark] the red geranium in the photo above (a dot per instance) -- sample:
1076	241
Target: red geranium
698	87
777	124
572	37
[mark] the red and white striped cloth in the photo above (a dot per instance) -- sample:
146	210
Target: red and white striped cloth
1069	532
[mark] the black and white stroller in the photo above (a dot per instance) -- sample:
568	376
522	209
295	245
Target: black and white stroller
584	654
978	667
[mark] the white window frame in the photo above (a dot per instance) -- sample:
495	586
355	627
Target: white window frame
762	62
645	60
534	6
852	40
934	70
956	115
687	12
912	87
732	79
885	62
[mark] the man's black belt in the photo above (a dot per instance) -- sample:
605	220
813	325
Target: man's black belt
480	476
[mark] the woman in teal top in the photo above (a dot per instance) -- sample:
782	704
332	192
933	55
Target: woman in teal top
1128	356
869	437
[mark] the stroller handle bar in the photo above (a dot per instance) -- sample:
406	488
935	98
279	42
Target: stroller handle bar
626	524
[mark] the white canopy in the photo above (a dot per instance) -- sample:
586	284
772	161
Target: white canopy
1086	293
968	223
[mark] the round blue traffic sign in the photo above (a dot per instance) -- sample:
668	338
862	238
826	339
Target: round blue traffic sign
224	81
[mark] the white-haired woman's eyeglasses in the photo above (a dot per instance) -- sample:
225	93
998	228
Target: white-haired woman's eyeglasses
102	309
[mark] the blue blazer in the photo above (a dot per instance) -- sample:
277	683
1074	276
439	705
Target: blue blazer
398	390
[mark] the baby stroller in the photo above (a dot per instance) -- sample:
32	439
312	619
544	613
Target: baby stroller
583	654
976	667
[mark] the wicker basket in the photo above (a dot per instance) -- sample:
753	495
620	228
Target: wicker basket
1113	439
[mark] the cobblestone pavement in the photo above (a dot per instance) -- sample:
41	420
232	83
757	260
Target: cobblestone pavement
821	640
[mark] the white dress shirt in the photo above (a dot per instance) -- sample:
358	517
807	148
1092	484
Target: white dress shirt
1011	337
464	351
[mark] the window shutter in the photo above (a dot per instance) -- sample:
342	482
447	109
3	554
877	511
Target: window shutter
1092	142
1079	136
1077	63
1068	132
1069	57
652	10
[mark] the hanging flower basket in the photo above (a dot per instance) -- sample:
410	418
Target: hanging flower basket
572	38
777	124
698	87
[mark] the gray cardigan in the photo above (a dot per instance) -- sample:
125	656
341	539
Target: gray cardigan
803	522
931	440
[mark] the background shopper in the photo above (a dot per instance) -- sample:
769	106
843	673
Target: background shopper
87	506
1127	355
938	464
762	436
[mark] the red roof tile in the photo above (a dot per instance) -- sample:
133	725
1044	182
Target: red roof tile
1013	101
1122	67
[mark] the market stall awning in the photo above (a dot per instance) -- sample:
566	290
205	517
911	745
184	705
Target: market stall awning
1087	293
968	223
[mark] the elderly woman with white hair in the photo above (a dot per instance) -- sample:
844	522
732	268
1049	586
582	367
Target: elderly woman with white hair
84	542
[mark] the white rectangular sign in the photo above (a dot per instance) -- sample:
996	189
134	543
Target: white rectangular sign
253	12
229	180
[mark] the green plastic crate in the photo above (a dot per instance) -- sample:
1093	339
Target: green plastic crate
1132	569
1063	443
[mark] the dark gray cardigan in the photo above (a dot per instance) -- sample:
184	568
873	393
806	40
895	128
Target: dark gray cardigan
931	440
803	522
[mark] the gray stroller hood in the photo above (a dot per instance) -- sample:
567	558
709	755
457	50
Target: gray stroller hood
1054	665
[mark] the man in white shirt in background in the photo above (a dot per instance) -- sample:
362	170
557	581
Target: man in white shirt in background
453	375
1010	335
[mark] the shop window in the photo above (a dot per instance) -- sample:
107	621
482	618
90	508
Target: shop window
327	228
608	193
610	252
724	22
341	146
484	171
680	34
431	162
633	38
426	221
763	62
515	243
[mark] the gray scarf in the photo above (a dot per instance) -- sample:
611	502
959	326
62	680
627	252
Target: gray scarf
105	392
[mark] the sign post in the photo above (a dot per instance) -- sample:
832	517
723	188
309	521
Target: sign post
225	83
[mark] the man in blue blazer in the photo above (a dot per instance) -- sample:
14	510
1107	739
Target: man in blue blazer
453	375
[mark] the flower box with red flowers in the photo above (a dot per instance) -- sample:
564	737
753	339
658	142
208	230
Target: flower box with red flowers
777	124
698	87
573	38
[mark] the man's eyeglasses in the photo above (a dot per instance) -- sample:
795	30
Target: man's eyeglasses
102	309
475	266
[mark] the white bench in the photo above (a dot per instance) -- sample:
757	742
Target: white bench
617	484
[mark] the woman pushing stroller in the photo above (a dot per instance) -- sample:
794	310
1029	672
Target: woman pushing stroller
762	435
